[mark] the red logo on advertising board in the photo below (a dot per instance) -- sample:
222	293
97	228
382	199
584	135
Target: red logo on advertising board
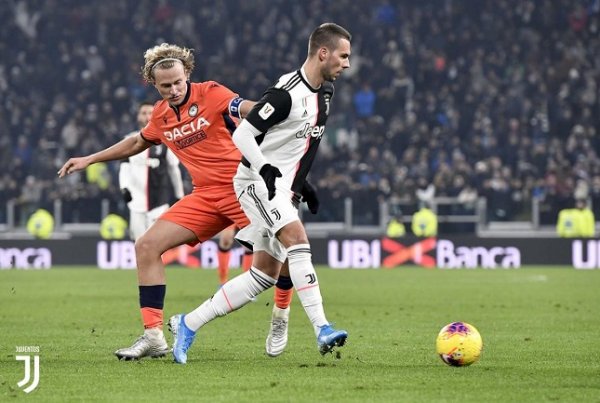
415	253
183	255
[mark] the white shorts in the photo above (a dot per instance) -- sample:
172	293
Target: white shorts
266	216
139	222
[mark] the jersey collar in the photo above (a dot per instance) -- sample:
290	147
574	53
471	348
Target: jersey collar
305	80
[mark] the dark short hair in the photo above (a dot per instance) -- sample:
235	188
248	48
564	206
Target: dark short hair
326	35
146	102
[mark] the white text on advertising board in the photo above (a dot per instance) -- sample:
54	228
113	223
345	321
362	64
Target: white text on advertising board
441	253
121	255
586	254
470	257
358	254
28	258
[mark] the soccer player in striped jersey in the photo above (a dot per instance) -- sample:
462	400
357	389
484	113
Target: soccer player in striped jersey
279	139
145	179
195	121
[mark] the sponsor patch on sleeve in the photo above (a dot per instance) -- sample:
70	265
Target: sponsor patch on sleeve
266	111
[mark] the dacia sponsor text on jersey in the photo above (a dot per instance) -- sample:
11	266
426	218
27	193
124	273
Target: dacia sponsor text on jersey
186	129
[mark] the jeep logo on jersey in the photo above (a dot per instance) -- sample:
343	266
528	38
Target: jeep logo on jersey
315	131
193	110
186	129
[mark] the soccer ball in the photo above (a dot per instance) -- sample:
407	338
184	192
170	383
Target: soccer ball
459	344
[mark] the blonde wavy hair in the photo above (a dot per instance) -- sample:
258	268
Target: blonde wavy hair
153	59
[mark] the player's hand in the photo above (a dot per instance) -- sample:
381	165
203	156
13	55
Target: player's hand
309	195
126	194
73	165
269	173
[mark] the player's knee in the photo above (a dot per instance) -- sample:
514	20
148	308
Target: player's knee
226	238
266	263
225	244
285	269
144	247
292	234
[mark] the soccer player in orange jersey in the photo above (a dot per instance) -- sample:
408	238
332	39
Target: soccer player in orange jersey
196	121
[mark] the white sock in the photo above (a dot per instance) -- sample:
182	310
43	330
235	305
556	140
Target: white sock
305	281
154	333
233	295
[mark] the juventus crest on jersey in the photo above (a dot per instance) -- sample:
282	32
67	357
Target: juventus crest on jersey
290	118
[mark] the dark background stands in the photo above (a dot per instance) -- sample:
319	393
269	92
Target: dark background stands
495	97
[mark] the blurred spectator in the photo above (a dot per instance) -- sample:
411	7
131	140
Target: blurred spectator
424	223
29	199
500	93
364	101
395	227
576	222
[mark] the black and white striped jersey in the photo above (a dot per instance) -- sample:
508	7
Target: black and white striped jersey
288	123
150	176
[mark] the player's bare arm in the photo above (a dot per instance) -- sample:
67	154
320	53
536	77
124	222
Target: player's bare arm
246	107
123	149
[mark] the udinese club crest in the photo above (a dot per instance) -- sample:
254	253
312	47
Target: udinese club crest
193	110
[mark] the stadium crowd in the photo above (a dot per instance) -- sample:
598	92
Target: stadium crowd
493	98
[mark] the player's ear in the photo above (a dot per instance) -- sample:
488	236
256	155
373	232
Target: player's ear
323	54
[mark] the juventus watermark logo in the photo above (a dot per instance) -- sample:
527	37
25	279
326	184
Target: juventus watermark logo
27	361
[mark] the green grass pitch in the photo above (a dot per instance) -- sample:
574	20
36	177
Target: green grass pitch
540	327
